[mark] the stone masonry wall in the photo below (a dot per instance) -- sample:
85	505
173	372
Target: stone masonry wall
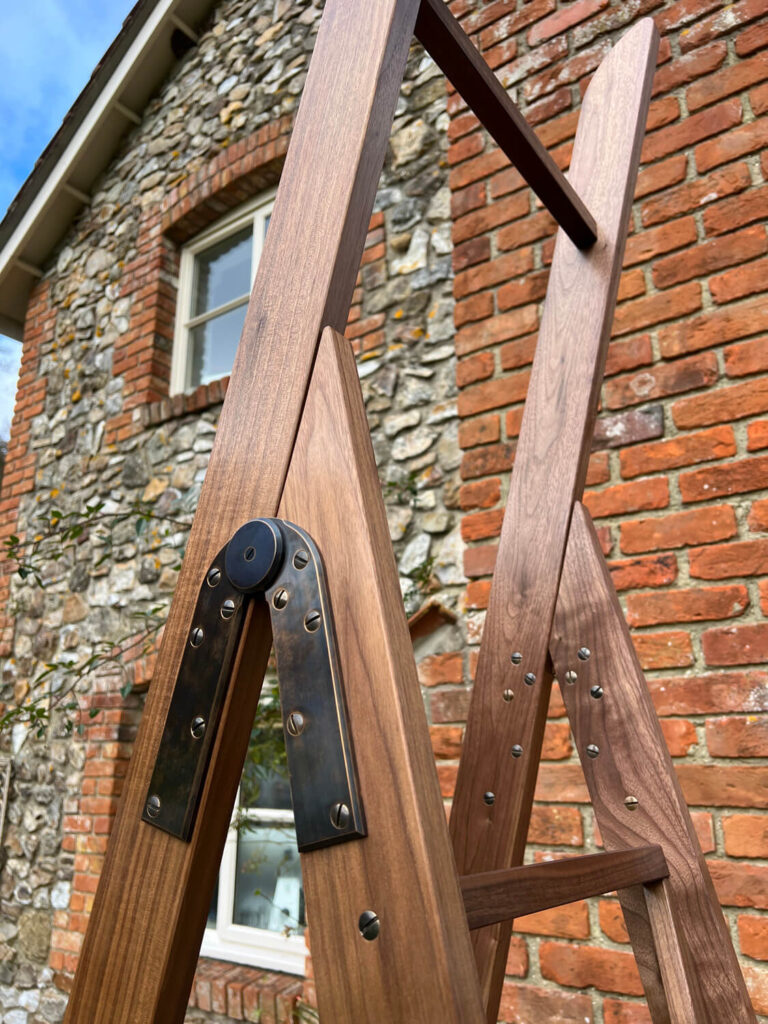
677	482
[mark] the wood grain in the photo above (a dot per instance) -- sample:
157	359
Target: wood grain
453	52
139	953
633	761
549	473
496	896
421	967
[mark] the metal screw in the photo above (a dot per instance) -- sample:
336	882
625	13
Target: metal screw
369	925
489	798
529	678
517	750
301	558
280	600
516	658
570	677
153	806
508	695
197	728
228	609
249	554
294	723
340	815
631	803
196	636
596	692
583	653
593	750
213	578
312	621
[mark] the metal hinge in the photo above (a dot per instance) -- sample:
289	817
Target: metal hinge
272	560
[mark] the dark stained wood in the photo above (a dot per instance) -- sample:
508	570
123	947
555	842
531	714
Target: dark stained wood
139	953
514	892
633	761
421	967
550	468
448	45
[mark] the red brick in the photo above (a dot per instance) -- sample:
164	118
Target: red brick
758	98
561	783
747	138
678	529
738	736
478	593
585	966
757	435
753	39
498	213
661	175
714	328
734	212
524	1004
480	561
722	22
476	250
725	404
746	835
565	18
446	741
663	650
682	13
518	293
730	80
732	478
487	461
688	68
540	225
724	785
703	125
747	279
500	328
492	272
570	921
493	394
649	571
758	515
695	194
436	669
518	353
689	605
615	1011
736	645
612	921
723	251
647	244
710	693
473	170
630	497
628	354
748	357
655	309
476	307
485	430
719	561
555	826
481	525
686	450
464	148
661	380
480	494
753	936
517	959
679	735
740	885
568	71
477	367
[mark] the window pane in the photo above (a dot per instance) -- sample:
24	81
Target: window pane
213	346
268	889
214	907
223	272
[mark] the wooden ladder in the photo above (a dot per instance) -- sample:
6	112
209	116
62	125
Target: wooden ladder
293	443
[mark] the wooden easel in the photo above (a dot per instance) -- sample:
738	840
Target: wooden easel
293	442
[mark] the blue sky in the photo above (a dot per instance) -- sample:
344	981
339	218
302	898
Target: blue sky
48	49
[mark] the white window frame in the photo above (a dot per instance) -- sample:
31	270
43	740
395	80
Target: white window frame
255	947
255	211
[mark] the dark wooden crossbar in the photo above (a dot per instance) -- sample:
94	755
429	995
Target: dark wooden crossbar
494	896
451	49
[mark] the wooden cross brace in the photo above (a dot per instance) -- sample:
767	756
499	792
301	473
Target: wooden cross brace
293	442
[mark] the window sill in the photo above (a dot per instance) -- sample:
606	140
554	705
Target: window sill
170	408
244	993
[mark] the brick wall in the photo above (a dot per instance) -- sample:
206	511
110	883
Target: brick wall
677	482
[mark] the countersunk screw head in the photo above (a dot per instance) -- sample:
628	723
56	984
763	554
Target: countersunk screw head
228	609
583	654
197	636
340	815
312	621
301	558
213	579
369	925
153	806
516	658
596	692
294	723
517	750
489	798
570	677
280	599
529	678
593	750
249	554
508	695
631	803
197	728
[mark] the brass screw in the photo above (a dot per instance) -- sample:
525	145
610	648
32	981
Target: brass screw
631	803
516	658
294	723
508	695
